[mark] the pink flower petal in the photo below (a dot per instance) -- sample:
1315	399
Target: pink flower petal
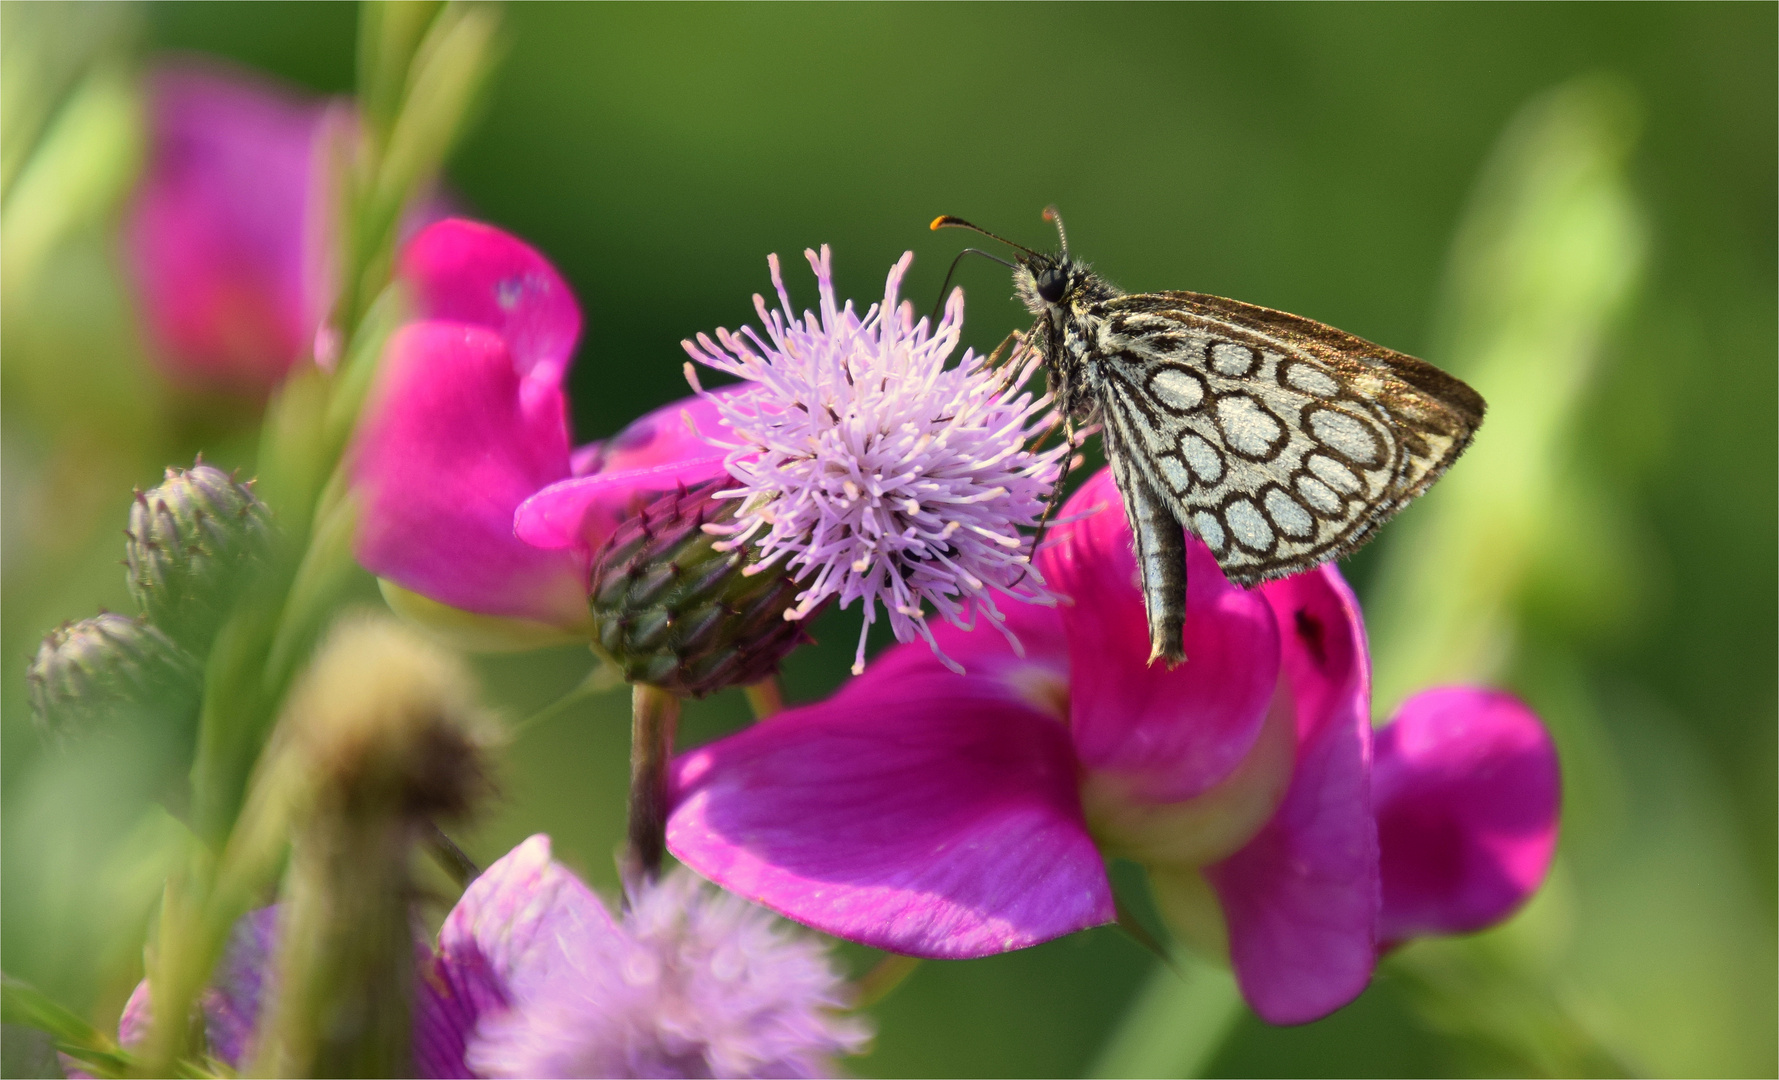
681	431
1171	734
656	454
580	513
445	454
1301	899
939	820
225	237
527	917
1467	791
464	271
1036	673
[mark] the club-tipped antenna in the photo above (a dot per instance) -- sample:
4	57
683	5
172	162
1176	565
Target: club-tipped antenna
1052	214
946	221
939	303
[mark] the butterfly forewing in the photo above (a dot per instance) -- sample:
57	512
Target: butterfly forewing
1279	441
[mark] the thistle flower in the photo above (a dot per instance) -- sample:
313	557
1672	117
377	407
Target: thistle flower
872	470
533	976
688	982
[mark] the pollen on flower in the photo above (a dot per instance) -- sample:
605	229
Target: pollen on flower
875	472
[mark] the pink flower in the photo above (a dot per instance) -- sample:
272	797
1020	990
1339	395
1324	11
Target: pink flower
958	816
227	235
469	420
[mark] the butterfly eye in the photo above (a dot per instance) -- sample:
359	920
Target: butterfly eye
1051	284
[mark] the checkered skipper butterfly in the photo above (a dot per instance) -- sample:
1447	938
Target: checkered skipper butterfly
1278	441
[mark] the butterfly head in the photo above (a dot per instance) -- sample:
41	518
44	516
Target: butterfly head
1048	285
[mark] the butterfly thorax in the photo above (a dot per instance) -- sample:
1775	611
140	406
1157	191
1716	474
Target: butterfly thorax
1063	294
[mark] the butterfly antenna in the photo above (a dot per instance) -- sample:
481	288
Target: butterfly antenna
946	221
1052	214
939	303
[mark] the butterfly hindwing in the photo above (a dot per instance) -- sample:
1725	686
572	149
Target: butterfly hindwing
1277	440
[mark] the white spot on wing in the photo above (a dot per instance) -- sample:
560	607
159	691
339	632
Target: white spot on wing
1210	530
1232	360
1175	472
1247	427
1178	390
1206	462
1318	495
1334	474
1248	525
1311	380
1291	519
1347	434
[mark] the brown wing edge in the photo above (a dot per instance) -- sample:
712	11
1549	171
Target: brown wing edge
1412	370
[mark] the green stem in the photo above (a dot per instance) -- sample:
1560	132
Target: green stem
654	720
885	975
1176	1024
765	698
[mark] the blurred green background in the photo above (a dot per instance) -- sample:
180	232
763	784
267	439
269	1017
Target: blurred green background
1573	206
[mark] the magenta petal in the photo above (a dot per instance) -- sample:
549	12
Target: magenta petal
464	271
681	431
445	454
1467	792
225	237
1171	733
656	454
934	819
581	513
1301	899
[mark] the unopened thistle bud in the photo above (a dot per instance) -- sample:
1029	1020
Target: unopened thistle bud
193	542
679	608
110	669
381	737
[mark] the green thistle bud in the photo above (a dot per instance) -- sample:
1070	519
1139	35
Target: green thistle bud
111	668
193	542
675	612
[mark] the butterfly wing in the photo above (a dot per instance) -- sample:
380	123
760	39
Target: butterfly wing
1279	441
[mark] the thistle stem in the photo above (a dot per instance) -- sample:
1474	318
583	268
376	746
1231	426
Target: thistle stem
654	718
765	698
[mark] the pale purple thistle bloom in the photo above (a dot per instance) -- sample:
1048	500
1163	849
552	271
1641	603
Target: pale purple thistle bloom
688	982
871	469
533	977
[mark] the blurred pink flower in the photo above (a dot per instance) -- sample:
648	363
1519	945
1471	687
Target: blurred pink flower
534	977
947	816
687	981
227	236
469	420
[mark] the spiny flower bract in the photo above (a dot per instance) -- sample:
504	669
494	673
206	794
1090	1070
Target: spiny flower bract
872	469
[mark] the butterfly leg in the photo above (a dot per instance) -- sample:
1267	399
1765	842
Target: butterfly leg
1161	560
1056	491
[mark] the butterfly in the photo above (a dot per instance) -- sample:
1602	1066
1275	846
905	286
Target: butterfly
1278	441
